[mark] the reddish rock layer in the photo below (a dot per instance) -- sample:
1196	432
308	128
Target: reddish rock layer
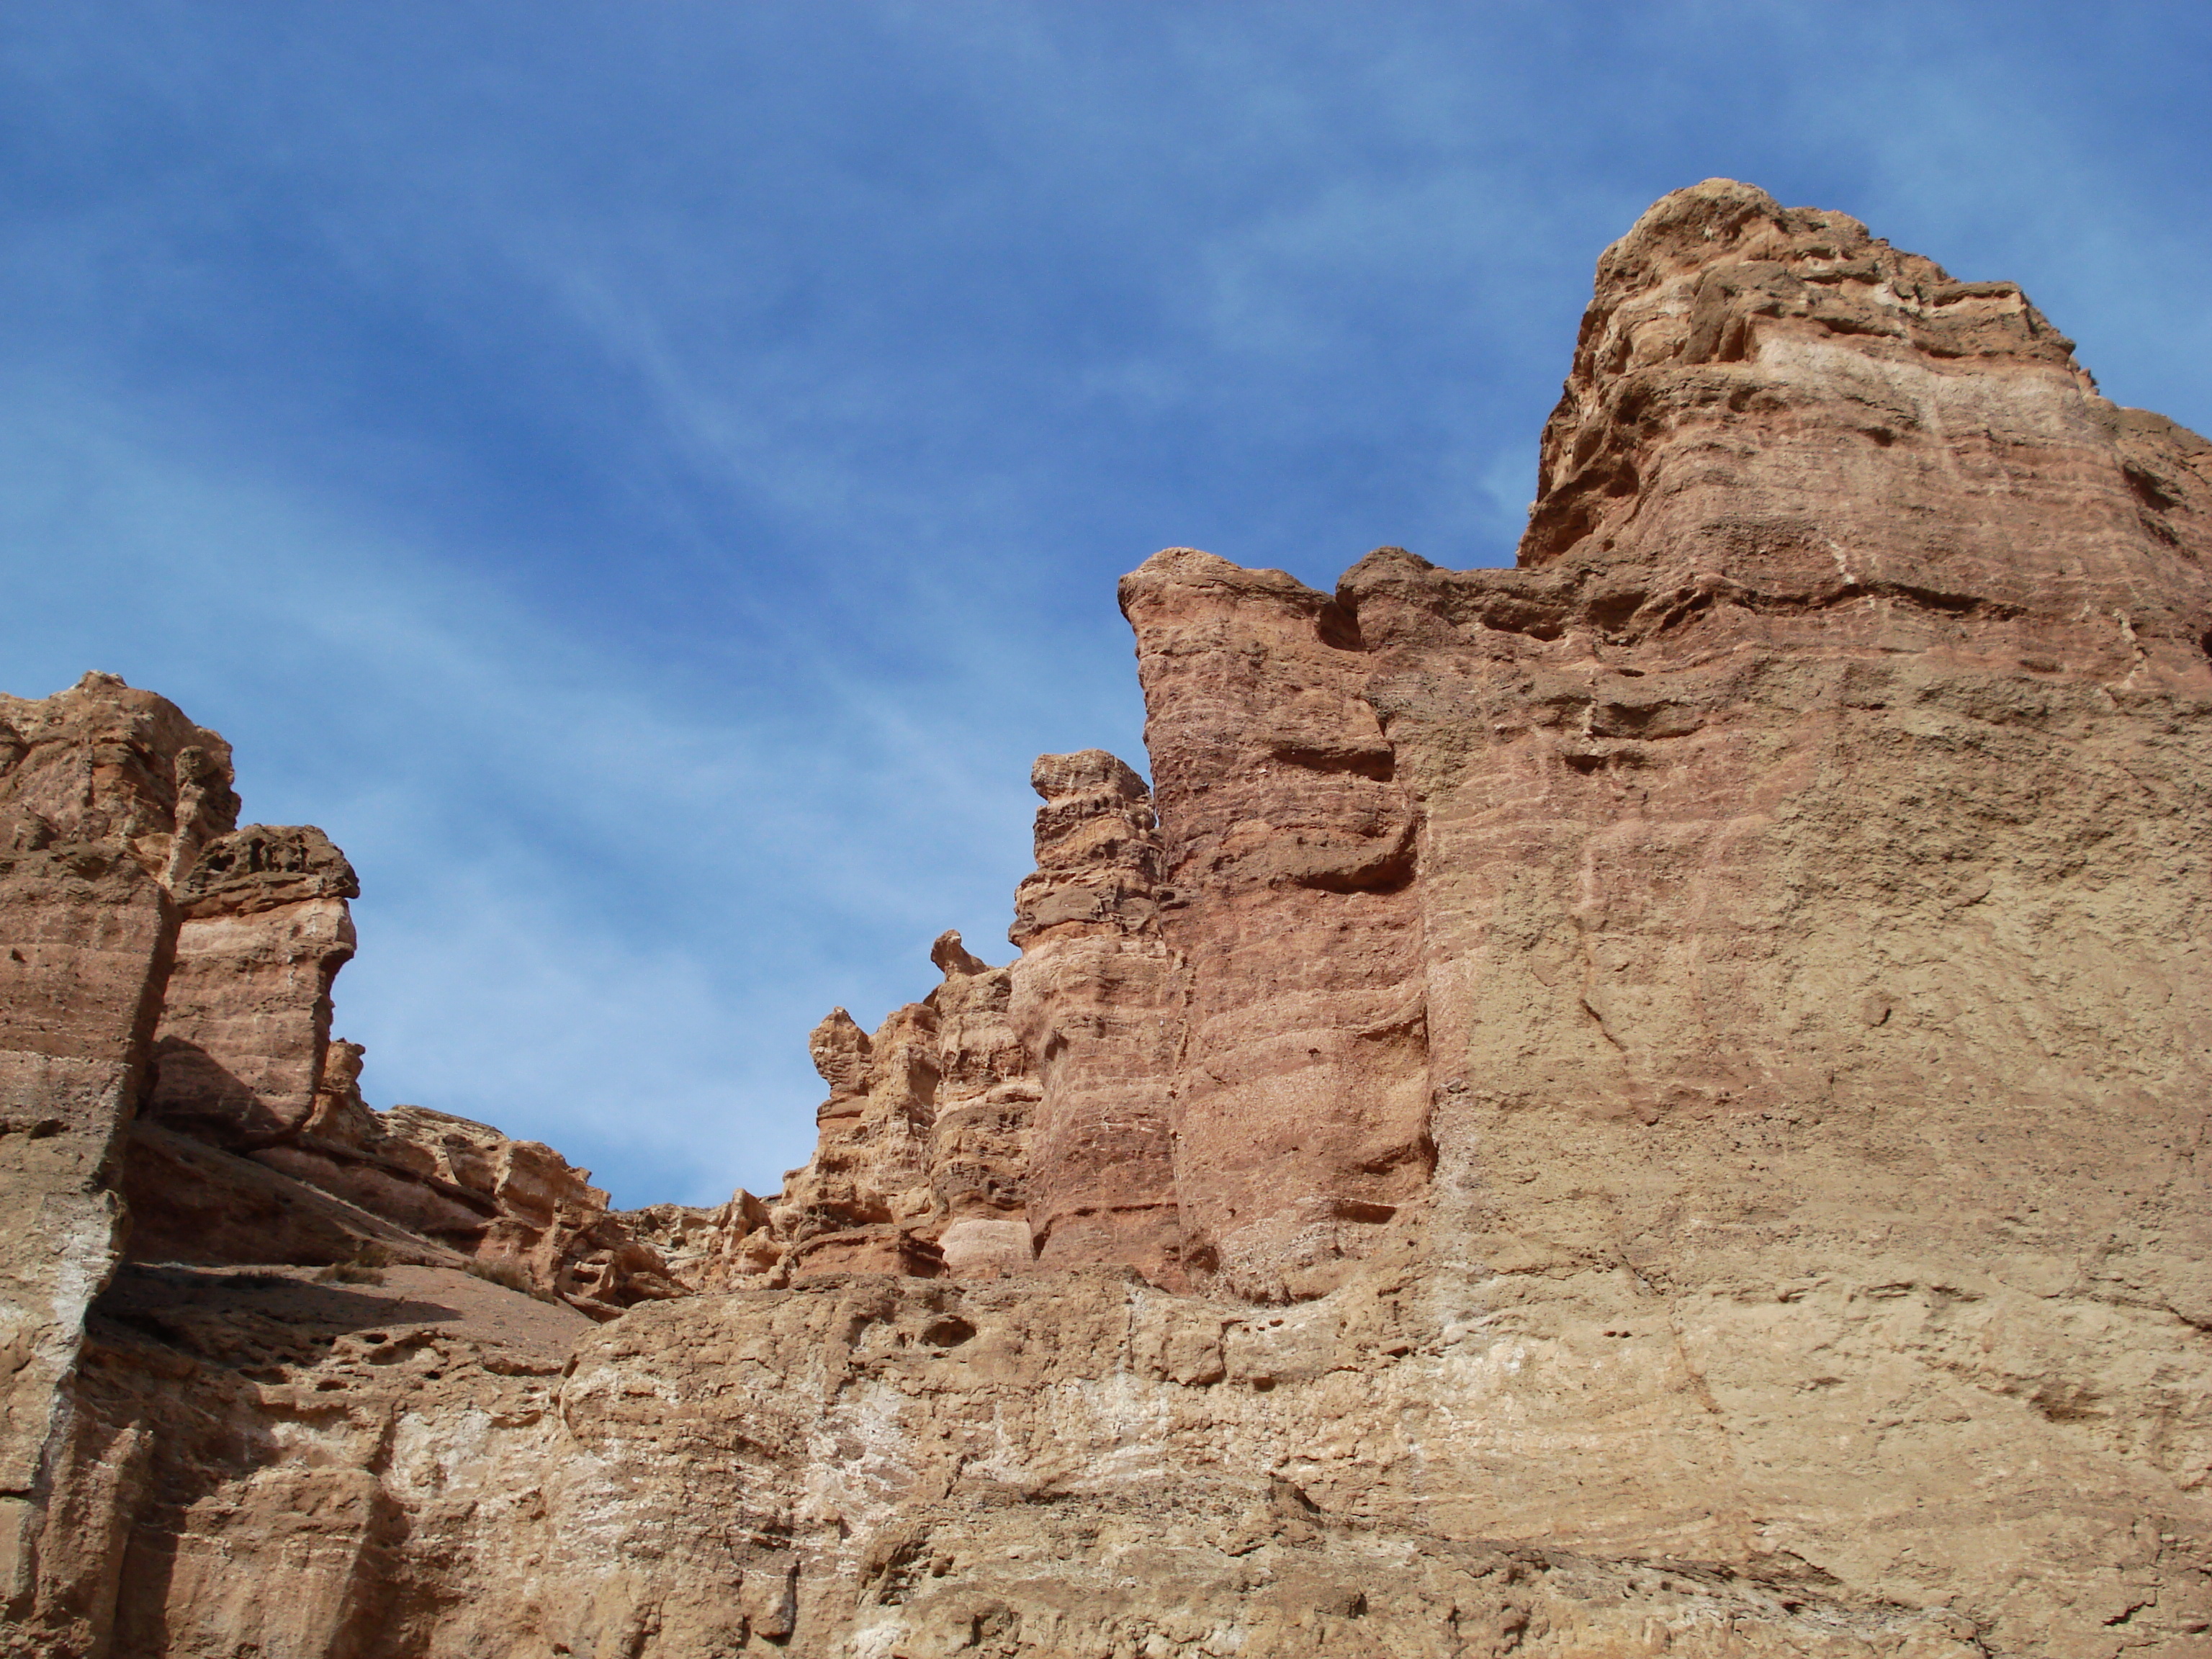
99	788
252	927
1303	1085
924	1150
1097	998
1230	1074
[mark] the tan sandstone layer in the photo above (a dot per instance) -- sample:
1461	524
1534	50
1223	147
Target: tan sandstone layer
1647	1102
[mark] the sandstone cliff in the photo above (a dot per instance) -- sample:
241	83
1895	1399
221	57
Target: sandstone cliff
170	1092
1647	1102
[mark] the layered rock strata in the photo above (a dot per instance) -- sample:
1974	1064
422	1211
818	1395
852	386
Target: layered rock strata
925	1146
1647	1102
1221	1027
245	1015
1017	1119
1291	843
114	786
99	790
1098	997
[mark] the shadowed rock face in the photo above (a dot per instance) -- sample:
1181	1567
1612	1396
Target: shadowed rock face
1646	1102
167	1091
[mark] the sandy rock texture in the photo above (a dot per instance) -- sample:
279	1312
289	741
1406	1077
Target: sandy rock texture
246	1018
170	1092
255	1461
1648	1103
925	1146
96	791
1097	998
1301	1097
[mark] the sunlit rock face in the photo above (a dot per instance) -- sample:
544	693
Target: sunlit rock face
1647	1102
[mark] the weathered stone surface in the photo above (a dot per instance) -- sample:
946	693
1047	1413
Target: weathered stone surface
193	1203
889	1467
103	762
1772	412
1775	906
1099	998
84	934
247	1017
1645	1104
244	1060
924	1139
99	785
702	1245
265	1456
1302	1090
515	1206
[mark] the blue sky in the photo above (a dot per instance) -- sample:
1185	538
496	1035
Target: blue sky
647	477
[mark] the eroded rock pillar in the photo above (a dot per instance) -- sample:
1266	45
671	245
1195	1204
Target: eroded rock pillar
98	785
1097	999
1301	1112
247	1021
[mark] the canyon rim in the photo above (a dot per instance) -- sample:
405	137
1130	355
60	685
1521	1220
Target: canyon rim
1647	1102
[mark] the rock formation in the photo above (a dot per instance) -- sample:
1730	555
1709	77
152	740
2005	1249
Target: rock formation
925	1144
246	1018
1097	1000
96	795
169	1091
1646	1102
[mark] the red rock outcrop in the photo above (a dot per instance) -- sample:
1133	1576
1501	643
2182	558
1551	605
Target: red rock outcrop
98	788
515	1208
1225	1050
167	1079
1646	1102
1303	1093
246	1018
924	1145
1097	998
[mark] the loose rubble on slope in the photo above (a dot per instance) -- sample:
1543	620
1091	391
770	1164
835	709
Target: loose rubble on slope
1646	1102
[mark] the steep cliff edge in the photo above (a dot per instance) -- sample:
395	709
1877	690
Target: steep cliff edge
170	1092
1647	1102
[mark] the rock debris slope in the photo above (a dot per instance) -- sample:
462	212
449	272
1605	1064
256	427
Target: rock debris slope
1647	1102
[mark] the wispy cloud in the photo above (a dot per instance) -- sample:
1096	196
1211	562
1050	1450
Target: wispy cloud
602	906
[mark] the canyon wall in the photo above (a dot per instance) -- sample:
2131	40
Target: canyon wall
1646	1102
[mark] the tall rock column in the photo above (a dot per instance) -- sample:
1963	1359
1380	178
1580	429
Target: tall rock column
1098	1001
84	939
1301	1111
99	785
987	1097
